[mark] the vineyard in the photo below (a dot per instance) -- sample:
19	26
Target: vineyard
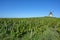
43	28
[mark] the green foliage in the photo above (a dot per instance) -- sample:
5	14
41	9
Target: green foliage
44	28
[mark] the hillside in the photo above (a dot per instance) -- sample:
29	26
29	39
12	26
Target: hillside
40	28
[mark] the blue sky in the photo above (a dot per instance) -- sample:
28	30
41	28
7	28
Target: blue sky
29	8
